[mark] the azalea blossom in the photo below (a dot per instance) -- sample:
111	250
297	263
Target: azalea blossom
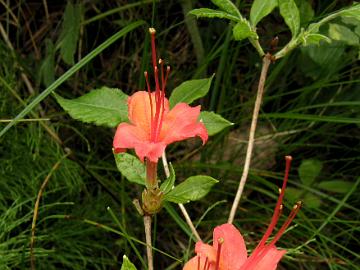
228	251
153	125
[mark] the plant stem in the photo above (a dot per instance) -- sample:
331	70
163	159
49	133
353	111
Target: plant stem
147	225
259	96
181	206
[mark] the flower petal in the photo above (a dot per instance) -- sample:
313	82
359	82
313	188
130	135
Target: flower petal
205	251
181	123
128	136
270	260
140	109
233	250
150	150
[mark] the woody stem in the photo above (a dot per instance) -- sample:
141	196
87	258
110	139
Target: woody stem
250	147
151	175
147	225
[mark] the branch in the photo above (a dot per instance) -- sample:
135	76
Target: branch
260	92
147	225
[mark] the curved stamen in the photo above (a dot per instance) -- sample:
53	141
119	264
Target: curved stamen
276	238
252	260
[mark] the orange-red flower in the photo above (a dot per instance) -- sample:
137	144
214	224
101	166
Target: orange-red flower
228	251
152	124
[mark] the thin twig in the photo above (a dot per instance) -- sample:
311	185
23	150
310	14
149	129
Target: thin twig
181	206
259	96
36	208
147	225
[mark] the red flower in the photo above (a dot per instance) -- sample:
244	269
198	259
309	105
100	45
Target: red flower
152	124
228	251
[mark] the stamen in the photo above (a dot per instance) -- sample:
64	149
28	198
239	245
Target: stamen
151	105
161	63
288	221
163	99
220	242
198	262
158	104
152	32
278	206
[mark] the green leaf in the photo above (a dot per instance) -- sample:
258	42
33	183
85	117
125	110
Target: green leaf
192	189
127	265
104	106
338	186
70	32
311	201
169	182
315	39
131	167
343	33
242	30
47	69
290	12
212	13
190	90
227	6
261	9
305	10
309	169
213	122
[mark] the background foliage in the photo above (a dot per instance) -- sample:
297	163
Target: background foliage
86	219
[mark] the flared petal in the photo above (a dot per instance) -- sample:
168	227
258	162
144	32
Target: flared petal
181	123
140	109
269	261
128	136
193	264
233	250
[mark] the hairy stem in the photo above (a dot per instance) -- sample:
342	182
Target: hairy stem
259	96
147	225
181	206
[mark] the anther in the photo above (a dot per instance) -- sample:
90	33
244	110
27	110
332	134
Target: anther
152	30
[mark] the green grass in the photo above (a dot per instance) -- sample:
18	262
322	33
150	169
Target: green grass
310	110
